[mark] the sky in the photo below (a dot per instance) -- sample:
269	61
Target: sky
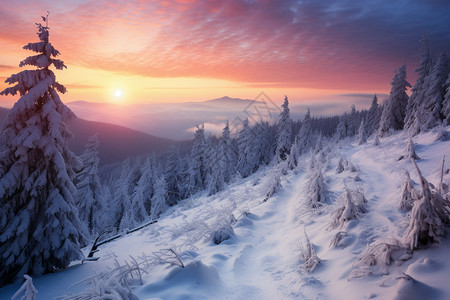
137	51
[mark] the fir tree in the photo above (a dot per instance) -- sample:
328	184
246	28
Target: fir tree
173	176
39	227
418	91
394	110
446	103
284	133
431	106
244	141
305	135
227	154
87	182
197	161
362	136
159	199
373	116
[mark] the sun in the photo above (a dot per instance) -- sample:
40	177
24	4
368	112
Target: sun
118	93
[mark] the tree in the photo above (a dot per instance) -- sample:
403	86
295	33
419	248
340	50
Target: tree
362	136
425	66
215	181
159	199
87	182
305	135
432	103
39	226
197	164
394	111
227	154
446	103
173	176
373	116
244	141
284	139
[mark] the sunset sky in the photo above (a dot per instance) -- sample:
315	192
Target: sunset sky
135	51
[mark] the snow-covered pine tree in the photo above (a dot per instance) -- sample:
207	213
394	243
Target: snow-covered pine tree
244	141
144	191
362	136
197	161
227	154
430	107
418	91
87	182
409	194
373	116
173	176
159	199
39	226
446	103
341	129
284	138
215	181
394	111
293	158
305	135
352	122
410	151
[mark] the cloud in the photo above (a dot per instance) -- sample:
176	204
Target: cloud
313	44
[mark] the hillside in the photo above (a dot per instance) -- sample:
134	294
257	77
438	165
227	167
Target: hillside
262	259
116	142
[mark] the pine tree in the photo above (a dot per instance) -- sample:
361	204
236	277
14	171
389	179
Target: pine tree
244	140
39	227
352	122
418	91
284	139
432	103
87	182
215	181
373	116
305	135
141	198
362	136
227	154
446	103
197	161
173	176
159	199
394	111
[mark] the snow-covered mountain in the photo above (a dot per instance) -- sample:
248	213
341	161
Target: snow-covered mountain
240	243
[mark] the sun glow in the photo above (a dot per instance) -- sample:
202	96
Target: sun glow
118	93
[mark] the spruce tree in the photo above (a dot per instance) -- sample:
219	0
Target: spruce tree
431	106
227	154
373	116
420	87
39	226
446	103
87	182
394	111
244	141
198	162
284	133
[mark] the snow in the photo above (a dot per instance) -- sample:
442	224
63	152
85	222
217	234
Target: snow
262	259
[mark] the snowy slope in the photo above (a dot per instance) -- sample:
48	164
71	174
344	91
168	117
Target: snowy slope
262	259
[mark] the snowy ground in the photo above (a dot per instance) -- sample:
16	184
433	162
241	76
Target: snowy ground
263	258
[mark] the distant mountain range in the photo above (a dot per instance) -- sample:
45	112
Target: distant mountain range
175	120
116	142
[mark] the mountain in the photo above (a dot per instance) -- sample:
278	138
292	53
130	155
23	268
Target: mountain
116	142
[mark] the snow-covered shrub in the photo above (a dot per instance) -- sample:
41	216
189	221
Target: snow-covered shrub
337	238
168	256
409	194
441	134
354	204
410	152
428	216
27	289
378	256
317	192
273	185
222	234
308	255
